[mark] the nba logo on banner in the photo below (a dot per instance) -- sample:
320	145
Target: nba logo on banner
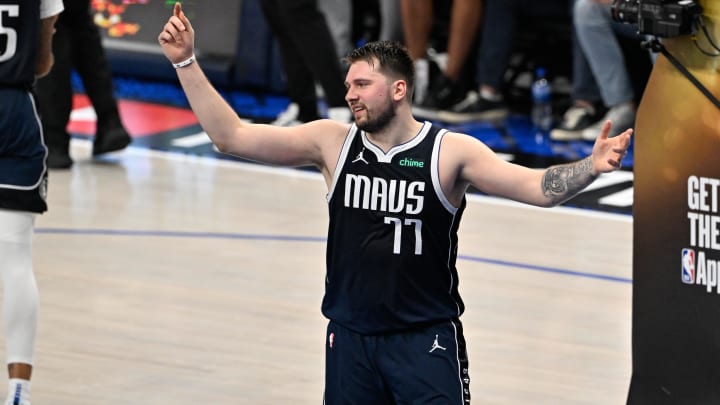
688	266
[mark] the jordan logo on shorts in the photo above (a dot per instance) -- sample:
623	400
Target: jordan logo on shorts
360	157
436	345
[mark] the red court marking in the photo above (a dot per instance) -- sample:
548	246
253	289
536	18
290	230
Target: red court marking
140	118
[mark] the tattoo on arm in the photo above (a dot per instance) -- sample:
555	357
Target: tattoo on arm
562	182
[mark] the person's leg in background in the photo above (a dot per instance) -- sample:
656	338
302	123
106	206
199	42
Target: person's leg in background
391	28
417	20
464	24
308	56
496	44
587	106
338	16
312	37
89	60
54	95
299	80
453	85
596	34
445	86
498	28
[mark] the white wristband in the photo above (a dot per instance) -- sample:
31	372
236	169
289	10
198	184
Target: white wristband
184	63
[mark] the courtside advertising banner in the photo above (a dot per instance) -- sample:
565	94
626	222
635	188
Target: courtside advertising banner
676	214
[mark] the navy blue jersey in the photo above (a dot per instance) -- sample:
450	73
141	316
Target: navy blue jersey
392	239
23	175
19	36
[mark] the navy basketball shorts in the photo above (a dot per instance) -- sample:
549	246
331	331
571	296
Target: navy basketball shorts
426	365
23	174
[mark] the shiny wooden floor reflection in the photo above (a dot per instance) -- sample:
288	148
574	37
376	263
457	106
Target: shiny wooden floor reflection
169	279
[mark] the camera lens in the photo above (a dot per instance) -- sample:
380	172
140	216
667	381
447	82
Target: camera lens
625	11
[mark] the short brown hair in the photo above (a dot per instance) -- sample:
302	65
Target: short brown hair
392	56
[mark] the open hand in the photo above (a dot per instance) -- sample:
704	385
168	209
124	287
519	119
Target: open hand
608	153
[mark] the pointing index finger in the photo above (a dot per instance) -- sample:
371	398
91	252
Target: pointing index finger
180	15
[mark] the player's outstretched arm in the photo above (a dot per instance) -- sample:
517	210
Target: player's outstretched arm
314	143
480	167
562	182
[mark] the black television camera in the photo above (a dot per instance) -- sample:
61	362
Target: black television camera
661	18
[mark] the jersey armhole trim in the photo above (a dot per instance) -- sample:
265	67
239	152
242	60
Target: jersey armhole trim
435	173
341	160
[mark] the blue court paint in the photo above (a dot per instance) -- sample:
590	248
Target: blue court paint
546	269
306	239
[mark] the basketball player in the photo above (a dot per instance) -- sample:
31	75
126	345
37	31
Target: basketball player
396	194
26	29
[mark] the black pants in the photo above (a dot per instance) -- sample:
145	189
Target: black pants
427	365
76	44
308	54
499	26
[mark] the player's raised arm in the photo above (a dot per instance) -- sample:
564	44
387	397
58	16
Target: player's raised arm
295	146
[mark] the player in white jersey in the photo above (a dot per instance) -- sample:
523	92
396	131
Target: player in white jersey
26	29
396	191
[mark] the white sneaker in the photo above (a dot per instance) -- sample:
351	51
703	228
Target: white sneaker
622	117
340	114
422	79
13	402
18	392
574	121
289	117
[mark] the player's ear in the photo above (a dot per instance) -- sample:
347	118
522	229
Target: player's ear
399	89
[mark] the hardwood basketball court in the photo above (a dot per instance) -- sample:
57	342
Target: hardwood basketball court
172	279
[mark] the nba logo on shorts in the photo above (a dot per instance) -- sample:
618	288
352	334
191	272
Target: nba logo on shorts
688	266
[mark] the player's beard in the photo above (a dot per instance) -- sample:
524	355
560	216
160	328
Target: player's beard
376	123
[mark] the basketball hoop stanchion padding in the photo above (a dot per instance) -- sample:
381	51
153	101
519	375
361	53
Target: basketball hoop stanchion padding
676	214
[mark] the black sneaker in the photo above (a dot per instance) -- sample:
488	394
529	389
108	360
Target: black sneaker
574	121
58	158
474	108
442	94
110	140
427	72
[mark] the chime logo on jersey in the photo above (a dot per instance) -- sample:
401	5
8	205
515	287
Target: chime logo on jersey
688	266
409	162
379	194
